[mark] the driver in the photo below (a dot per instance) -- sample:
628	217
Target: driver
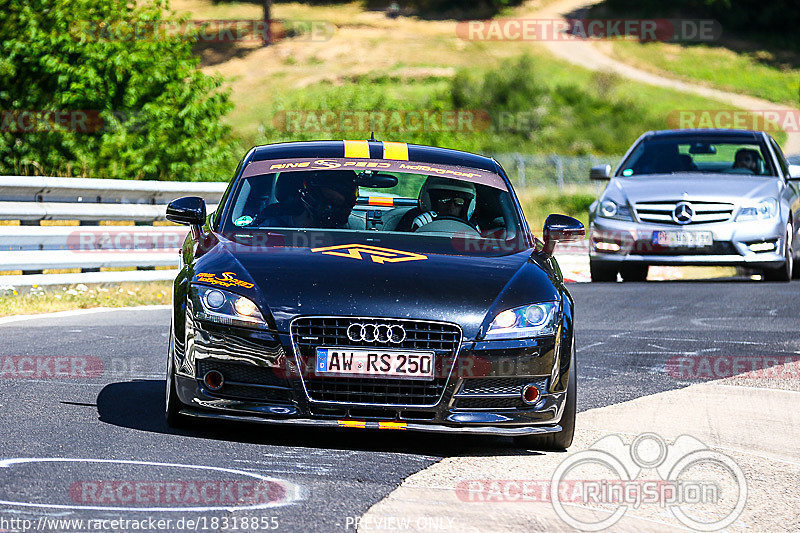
443	197
747	159
326	199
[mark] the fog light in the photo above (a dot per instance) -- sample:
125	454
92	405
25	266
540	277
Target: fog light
606	246
530	394
213	380
762	246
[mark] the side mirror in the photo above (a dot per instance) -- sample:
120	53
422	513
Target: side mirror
189	210
600	172
561	228
794	172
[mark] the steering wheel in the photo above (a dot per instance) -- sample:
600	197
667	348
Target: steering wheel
448	224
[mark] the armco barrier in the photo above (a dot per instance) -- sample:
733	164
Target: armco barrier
32	248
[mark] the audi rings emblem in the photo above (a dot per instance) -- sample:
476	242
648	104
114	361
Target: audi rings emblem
384	333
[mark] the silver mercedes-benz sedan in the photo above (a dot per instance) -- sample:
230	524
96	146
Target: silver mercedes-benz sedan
697	197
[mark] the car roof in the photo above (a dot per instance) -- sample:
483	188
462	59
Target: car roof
717	133
375	150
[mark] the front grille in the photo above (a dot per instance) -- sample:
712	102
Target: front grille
704	212
312	332
501	385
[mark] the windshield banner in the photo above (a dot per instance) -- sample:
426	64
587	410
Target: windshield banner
475	175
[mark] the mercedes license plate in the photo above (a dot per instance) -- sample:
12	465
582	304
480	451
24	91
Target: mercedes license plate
683	239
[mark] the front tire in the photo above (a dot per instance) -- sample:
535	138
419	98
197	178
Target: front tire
563	439
785	271
173	404
634	272
602	271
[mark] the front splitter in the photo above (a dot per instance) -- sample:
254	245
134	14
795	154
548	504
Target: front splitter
376	424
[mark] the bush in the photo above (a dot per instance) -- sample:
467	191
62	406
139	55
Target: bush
458	8
151	113
565	118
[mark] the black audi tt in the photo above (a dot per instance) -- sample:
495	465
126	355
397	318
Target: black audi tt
377	285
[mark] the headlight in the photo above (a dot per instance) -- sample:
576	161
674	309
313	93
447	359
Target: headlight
225	307
527	321
763	210
611	209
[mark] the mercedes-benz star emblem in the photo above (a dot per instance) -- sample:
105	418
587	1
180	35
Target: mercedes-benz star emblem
683	213
384	333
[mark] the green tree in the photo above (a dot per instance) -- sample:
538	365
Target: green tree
133	103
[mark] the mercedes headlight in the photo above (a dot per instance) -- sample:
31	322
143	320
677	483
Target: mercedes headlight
533	320
763	210
611	209
225	307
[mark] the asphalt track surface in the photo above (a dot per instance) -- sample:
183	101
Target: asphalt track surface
627	333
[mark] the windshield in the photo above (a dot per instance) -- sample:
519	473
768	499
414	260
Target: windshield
424	206
681	155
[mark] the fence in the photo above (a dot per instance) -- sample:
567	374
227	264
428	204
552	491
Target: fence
98	242
527	170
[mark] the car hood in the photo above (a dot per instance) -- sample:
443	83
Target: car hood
466	290
698	187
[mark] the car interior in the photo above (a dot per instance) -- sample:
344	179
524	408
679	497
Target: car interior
671	157
377	209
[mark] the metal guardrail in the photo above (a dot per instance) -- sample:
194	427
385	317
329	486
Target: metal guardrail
32	248
90	246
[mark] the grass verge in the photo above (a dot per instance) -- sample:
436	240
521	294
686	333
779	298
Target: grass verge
538	203
758	73
40	300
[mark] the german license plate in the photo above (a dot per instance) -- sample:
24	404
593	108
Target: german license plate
374	363
683	239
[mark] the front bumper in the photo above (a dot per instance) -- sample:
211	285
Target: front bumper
731	247
461	409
